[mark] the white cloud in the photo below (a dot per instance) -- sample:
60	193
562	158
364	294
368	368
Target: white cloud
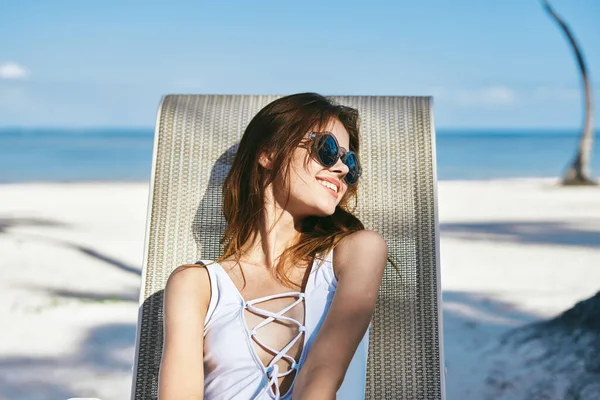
12	70
503	96
490	96
557	93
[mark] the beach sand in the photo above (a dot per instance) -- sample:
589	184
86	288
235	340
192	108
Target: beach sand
512	252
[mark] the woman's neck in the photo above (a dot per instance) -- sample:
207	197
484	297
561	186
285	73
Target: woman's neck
277	232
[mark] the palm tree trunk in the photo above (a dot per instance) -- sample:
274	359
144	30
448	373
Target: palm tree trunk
578	172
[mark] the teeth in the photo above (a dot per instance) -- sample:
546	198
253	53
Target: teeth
328	185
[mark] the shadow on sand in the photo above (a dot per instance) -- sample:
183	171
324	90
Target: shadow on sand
100	356
45	377
527	232
7	223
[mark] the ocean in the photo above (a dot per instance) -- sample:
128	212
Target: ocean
111	154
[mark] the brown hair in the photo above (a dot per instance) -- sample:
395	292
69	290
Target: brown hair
278	129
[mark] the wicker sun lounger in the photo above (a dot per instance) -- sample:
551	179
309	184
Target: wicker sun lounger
195	142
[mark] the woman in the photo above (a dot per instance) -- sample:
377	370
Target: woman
281	313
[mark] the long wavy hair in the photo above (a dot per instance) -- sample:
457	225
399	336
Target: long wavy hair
278	129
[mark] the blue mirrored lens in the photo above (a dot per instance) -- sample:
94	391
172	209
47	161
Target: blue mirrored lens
353	169
328	151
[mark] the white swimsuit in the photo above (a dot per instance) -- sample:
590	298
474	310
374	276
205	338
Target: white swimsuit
232	368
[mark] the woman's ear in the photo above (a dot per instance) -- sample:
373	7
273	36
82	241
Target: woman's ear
266	160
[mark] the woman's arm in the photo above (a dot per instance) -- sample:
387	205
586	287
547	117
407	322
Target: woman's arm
186	300
359	261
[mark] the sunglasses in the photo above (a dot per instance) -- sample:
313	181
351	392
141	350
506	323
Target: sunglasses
327	151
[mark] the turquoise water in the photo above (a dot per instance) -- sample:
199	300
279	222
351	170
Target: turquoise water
111	154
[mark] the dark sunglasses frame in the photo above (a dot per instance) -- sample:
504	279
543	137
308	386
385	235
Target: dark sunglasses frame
342	153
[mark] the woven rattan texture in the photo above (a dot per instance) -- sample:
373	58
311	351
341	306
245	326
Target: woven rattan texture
197	138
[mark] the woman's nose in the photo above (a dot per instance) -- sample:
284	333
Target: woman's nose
340	167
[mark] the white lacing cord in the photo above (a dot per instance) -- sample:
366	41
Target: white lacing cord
273	369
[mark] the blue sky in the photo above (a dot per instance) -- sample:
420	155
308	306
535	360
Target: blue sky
491	64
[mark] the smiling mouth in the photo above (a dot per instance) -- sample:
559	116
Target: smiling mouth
331	188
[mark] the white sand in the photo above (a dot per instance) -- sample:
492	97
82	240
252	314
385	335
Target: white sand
512	252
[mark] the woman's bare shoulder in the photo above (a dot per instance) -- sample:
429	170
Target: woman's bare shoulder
188	285
364	249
